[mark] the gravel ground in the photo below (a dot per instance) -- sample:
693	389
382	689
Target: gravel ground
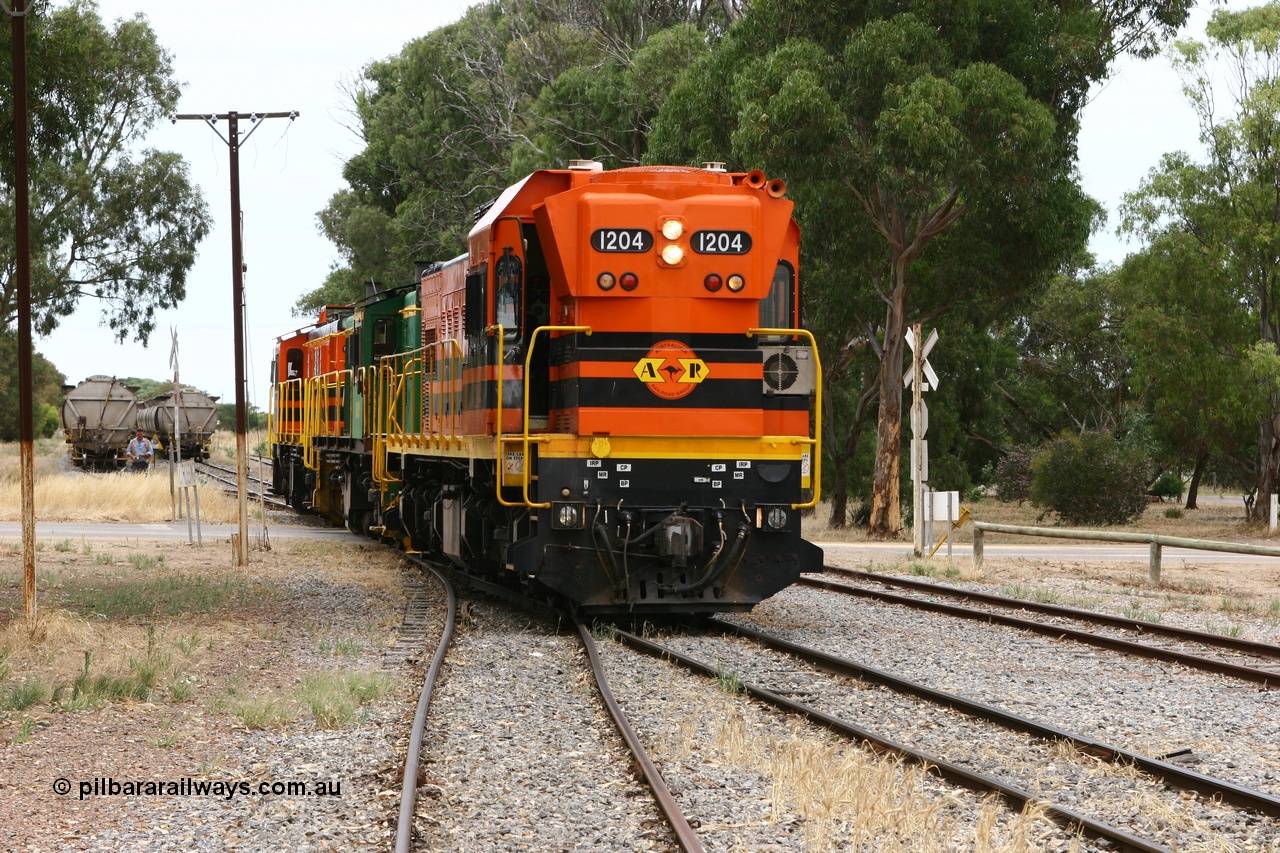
521	756
1232	728
519	752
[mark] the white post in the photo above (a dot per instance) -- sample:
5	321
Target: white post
1275	499
917	435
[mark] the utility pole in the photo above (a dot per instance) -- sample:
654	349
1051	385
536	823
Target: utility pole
22	245
233	140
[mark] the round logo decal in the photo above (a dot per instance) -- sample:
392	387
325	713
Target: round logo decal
671	370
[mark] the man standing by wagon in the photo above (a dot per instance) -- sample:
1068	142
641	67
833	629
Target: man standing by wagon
139	452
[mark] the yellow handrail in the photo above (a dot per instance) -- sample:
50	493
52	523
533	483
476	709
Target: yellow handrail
525	438
816	441
498	439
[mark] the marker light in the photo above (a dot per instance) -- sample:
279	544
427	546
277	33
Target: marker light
736	283
629	281
672	254
606	281
712	282
672	229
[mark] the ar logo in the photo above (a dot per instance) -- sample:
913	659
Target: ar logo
670	370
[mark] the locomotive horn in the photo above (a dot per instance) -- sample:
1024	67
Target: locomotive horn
755	179
777	188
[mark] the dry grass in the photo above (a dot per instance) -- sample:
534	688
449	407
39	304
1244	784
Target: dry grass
123	622
64	493
845	797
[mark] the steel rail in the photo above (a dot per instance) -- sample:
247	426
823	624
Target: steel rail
409	786
954	773
1267	678
1234	644
685	834
261	494
1179	777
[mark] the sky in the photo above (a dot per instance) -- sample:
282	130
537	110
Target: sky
282	55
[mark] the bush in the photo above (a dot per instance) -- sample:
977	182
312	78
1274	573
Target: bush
1090	479
1168	485
1012	477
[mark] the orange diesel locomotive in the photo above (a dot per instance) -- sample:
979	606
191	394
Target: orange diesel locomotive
606	401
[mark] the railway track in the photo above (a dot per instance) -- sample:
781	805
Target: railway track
1252	661
256	488
1028	751
425	828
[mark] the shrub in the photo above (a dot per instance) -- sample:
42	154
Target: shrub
1012	477
1168	485
1090	479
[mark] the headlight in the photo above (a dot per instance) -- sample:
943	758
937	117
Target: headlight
566	516
672	254
776	518
672	229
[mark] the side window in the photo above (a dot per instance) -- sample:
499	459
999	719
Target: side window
777	310
384	338
293	363
473	317
507	274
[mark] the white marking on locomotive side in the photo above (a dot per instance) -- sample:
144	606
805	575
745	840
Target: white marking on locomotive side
624	466
594	463
717	466
624	484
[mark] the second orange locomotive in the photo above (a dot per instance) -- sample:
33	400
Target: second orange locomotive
606	401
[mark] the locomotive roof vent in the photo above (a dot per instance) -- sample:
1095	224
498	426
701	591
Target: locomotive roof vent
714	165
586	166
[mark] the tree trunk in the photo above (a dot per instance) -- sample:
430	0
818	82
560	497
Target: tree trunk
886	510
1202	460
1268	464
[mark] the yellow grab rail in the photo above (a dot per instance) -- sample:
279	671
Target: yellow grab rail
498	440
816	441
525	438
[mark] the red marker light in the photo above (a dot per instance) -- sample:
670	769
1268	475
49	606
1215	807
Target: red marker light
712	282
629	281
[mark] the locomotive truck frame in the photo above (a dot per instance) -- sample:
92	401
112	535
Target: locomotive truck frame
607	401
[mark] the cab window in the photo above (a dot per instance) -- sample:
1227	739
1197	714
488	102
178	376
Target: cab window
507	272
777	310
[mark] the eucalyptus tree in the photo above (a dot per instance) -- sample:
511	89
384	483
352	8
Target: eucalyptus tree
465	110
1190	342
107	220
930	149
1222	217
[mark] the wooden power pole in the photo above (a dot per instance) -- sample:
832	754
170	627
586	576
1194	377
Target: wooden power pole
234	141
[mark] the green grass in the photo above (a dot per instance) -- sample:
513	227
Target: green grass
1231	629
262	712
728	681
23	695
346	646
164	595
1134	610
146	562
64	545
334	697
